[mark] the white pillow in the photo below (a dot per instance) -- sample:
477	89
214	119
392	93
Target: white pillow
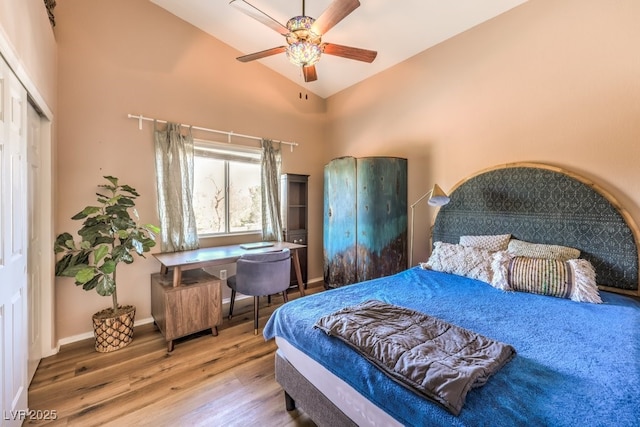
467	261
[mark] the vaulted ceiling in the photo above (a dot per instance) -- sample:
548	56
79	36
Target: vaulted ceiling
397	30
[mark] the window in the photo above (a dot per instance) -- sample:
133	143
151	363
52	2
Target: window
226	197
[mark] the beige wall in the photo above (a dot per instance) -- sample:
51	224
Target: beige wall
130	56
549	81
30	49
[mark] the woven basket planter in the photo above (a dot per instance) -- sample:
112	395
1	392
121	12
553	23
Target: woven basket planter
113	332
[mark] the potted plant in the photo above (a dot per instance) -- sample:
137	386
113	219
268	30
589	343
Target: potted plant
109	236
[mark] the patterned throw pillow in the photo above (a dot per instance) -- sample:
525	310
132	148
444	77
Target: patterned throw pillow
498	242
539	250
467	261
574	279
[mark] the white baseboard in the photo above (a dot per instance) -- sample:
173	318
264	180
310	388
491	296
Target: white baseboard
241	301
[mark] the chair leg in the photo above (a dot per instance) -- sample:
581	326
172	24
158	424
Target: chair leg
285	296
233	299
256	303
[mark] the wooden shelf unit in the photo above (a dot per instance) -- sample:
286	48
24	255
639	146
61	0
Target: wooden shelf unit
295	216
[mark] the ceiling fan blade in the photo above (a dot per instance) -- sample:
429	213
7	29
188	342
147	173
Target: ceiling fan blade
257	14
261	54
310	74
335	13
349	52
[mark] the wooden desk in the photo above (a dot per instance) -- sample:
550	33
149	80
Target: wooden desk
217	255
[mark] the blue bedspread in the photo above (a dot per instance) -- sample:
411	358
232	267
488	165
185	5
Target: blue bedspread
576	363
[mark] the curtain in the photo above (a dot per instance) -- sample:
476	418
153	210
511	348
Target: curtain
174	154
270	174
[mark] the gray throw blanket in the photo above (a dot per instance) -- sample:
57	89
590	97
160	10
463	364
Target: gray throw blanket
429	356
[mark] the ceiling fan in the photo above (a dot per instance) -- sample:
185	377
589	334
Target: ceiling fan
303	35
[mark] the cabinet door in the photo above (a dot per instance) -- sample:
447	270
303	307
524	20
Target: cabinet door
381	216
300	238
339	233
192	308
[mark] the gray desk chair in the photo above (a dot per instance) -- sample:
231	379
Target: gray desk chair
260	274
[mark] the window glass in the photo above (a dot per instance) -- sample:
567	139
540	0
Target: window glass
245	209
227	187
209	195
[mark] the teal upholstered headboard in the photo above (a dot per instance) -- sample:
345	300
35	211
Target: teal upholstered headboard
544	204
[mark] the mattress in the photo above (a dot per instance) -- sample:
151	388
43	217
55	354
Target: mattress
353	404
576	363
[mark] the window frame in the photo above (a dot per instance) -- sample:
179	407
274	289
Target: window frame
227	153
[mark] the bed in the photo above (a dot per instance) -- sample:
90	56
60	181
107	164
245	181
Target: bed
577	363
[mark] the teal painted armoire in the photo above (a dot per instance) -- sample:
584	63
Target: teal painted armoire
365	219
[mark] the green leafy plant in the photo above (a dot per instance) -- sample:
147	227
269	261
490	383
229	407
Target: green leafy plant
109	236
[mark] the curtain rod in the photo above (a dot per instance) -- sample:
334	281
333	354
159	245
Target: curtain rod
140	118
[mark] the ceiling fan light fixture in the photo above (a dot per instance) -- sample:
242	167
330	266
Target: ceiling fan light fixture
300	23
303	54
304	36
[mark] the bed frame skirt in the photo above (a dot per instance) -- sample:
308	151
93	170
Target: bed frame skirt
300	393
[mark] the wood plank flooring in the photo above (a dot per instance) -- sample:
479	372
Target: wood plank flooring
226	380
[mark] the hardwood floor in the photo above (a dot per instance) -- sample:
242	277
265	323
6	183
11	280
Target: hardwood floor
226	380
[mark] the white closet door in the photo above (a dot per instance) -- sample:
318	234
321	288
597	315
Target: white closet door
13	248
35	257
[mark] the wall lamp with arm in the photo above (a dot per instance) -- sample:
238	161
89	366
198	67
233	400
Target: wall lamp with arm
437	197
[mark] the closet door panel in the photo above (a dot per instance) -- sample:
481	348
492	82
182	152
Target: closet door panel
339	232
381	216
